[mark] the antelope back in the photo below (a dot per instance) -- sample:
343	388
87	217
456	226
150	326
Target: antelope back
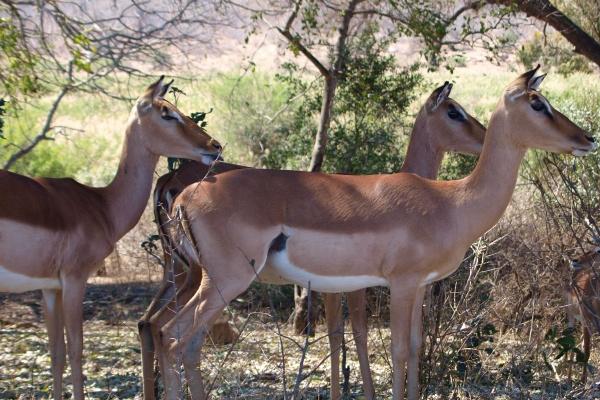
168	188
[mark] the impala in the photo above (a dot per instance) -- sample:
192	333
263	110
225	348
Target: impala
584	299
55	232
338	233
441	125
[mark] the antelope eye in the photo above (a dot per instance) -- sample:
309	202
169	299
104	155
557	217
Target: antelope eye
454	114
537	105
165	114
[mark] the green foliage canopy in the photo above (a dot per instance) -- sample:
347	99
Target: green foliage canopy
372	98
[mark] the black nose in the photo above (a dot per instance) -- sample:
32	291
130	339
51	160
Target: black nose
590	138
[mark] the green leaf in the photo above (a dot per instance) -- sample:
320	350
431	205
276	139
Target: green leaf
579	355
566	342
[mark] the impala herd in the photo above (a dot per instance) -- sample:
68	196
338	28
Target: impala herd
223	226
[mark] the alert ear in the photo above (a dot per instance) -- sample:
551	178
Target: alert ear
155	91
534	83
164	89
524	78
519	86
158	89
438	96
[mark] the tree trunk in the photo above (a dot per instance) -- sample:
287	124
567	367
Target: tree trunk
301	316
302	325
318	153
545	11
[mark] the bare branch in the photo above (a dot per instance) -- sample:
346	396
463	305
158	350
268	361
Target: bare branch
43	133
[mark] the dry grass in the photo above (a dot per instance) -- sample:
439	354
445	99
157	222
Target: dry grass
254	369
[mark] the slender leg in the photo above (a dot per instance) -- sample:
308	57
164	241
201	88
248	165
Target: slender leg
191	361
147	343
302	326
186	332
158	320
357	306
335	329
160	317
571	311
401	301
193	350
170	373
570	367
416	342
56	337
73	292
586	352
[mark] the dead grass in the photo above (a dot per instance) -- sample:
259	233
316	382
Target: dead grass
254	368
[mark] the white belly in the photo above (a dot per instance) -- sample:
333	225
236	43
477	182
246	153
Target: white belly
278	265
13	282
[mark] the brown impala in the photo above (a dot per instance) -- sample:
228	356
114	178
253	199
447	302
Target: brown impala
55	232
584	299
338	233
442	125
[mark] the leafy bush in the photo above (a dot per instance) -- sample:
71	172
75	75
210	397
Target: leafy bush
372	97
552	51
456	166
253	113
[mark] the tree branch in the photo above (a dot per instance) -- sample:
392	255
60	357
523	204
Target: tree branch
545	11
42	135
307	53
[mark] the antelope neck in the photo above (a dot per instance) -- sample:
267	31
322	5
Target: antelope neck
129	191
422	157
489	188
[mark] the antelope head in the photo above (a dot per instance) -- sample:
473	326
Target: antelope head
534	123
586	261
167	131
455	129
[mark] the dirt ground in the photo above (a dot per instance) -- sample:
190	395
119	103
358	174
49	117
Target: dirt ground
251	369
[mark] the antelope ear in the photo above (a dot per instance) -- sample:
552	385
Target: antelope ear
534	83
164	89
520	85
524	78
438	96
158	89
155	91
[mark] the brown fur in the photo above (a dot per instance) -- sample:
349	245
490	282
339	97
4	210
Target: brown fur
433	134
223	331
583	296
62	230
383	226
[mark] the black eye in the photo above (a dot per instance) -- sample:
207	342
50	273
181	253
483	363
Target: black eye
537	105
454	114
165	115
